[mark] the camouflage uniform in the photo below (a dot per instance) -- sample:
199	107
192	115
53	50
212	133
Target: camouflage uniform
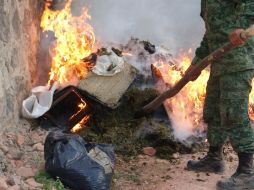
229	85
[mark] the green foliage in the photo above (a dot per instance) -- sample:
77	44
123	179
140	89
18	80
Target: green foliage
49	183
119	127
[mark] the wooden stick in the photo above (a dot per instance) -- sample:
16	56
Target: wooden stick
196	69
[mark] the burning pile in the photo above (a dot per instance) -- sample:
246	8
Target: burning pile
74	41
186	108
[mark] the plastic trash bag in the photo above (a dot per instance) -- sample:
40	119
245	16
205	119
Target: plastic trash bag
78	164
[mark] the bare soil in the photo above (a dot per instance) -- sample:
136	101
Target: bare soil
150	173
22	157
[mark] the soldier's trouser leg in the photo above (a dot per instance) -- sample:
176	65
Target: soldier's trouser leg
234	96
226	111
215	134
213	161
234	99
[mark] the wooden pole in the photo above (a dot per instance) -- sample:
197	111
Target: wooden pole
196	69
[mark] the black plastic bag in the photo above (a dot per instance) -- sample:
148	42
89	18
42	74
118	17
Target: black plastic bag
78	164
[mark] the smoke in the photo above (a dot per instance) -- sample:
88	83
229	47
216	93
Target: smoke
175	24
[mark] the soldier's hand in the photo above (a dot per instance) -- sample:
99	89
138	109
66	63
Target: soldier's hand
235	37
192	77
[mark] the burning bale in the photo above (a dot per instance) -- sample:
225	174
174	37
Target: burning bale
100	89
110	79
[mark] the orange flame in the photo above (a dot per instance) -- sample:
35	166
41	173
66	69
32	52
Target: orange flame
82	106
74	41
186	108
78	127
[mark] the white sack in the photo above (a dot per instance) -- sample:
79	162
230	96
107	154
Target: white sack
108	65
39	102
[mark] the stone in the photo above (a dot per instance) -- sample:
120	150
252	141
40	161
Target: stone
18	163
25	172
33	183
10	181
16	23
176	156
3	184
15	187
15	154
17	179
150	151
35	137
4	149
38	147
20	139
19	31
5	26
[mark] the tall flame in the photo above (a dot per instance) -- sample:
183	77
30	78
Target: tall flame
187	106
74	41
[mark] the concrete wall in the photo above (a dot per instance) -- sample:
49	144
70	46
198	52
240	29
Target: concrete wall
19	35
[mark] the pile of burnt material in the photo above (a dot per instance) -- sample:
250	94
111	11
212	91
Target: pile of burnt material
105	102
109	78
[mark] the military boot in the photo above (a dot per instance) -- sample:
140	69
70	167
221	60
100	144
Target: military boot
212	162
243	177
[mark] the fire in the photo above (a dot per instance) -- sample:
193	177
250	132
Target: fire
186	108
78	127
74	41
82	107
127	54
251	103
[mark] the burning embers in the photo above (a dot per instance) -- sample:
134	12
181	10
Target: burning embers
73	49
74	41
70	110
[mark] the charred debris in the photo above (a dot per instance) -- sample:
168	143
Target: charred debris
85	110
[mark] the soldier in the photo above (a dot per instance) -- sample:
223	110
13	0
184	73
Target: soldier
228	88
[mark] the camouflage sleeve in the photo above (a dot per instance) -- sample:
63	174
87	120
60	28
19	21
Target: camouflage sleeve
249	11
201	52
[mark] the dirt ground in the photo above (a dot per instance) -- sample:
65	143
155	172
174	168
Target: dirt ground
150	173
21	154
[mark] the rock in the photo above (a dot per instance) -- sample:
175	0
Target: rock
25	172
33	183
150	151
20	139
35	137
10	181
38	147
3	184
18	163
17	179
4	148
15	187
176	156
15	154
